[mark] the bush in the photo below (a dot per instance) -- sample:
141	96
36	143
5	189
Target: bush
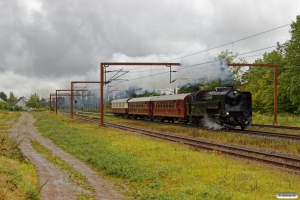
18	108
4	106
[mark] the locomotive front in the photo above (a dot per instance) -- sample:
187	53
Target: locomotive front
238	109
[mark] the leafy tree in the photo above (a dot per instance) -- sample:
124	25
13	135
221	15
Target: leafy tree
188	88
3	96
43	103
12	98
238	73
146	93
261	85
289	79
33	102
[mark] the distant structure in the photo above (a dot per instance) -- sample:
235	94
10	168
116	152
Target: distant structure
21	102
1	100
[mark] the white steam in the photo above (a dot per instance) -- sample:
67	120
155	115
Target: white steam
210	124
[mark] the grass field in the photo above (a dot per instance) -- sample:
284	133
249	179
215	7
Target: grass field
223	136
145	168
282	119
18	179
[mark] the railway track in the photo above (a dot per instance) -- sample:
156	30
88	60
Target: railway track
285	161
277	127
268	134
252	133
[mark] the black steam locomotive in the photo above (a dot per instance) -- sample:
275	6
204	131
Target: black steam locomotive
226	106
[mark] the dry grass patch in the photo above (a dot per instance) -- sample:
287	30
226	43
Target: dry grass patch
18	179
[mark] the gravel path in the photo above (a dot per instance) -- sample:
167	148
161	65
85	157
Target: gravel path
57	185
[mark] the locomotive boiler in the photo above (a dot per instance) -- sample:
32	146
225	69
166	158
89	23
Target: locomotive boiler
228	107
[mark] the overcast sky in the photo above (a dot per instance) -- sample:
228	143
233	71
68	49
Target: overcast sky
47	44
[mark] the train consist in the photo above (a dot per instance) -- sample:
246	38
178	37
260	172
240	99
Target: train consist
229	108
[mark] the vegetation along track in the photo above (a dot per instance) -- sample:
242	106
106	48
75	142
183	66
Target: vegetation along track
268	134
251	133
286	161
276	126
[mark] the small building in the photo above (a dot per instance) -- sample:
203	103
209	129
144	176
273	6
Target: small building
1	100
21	102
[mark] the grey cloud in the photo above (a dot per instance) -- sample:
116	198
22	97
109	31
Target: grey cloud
70	38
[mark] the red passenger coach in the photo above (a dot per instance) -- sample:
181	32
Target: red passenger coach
170	107
120	107
140	107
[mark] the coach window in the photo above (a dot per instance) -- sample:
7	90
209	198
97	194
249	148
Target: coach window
174	104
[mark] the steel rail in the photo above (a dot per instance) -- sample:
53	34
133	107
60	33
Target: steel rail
275	126
283	161
250	133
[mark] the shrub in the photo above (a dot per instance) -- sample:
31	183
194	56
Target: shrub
4	106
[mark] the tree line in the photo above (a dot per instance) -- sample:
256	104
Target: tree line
7	103
259	80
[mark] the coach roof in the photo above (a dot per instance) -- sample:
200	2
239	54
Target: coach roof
119	100
170	97
141	99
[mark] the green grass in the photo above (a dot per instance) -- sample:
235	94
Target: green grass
74	176
282	119
267	143
145	168
18	179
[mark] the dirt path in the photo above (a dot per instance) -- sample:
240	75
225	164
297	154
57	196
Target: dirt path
57	186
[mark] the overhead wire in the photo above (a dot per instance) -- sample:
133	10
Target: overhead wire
205	51
230	42
219	45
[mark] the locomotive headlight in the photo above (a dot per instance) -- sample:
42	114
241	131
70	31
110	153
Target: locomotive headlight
234	92
227	113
